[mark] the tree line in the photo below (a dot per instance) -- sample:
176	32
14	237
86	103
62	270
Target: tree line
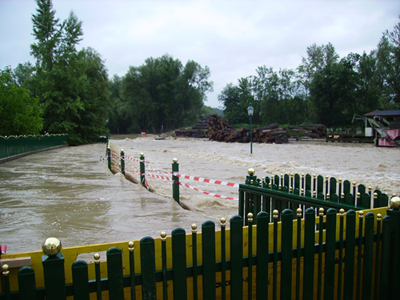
68	91
323	89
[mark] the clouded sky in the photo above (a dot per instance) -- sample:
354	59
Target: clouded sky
231	37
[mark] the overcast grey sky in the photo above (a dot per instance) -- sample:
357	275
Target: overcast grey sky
232	38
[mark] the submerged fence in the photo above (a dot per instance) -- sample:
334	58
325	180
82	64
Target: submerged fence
14	145
353	255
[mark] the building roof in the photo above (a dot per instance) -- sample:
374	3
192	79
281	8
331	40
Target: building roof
383	113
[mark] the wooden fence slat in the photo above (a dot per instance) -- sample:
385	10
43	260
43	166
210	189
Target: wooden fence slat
26	283
80	279
236	261
350	255
148	266
368	256
208	249
179	263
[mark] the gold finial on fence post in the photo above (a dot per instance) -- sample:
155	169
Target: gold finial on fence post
96	257
5	270
250	217
321	211
358	195
163	235
341	212
375	196
395	202
131	246
194	228
223	222
328	196
342	196
379	217
251	171
361	214
299	212
275	214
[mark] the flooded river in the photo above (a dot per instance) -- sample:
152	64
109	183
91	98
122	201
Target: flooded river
70	194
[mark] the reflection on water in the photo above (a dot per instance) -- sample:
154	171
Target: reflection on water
68	193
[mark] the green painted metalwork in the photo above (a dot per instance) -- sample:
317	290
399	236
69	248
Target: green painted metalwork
309	252
54	278
385	281
286	253
208	249
368	256
340	262
132	269
148	266
394	213
350	255
122	154
115	276
164	266
98	277
26	283
179	263
359	255
223	259
80	279
236	246
175	180
330	254
298	252
142	170
250	259
194	260
262	255
15	145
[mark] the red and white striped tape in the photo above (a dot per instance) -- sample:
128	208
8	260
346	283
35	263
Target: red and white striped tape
207	193
206	180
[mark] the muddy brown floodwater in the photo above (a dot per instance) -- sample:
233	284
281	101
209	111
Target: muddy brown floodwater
69	193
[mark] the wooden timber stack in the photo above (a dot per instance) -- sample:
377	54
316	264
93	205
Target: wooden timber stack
215	128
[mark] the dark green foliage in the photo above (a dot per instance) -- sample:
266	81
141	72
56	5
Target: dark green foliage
325	89
72	86
159	95
19	112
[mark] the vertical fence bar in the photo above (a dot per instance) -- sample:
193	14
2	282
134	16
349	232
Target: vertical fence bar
394	213
341	235
208	249
236	248
348	286
148	267
53	274
320	251
122	154
163	236
377	255
359	254
194	260
6	281
250	257
309	253
223	259
179	263
96	257
114	272
262	255
286	252
142	170
80	280
175	179
26	283
275	256
368	256
385	262
298	256
330	241
131	249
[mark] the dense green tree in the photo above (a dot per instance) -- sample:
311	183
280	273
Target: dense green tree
19	112
72	86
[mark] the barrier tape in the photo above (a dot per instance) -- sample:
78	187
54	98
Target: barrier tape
207	193
206	180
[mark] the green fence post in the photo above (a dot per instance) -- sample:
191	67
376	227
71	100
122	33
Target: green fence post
26	283
80	280
96	257
394	213
208	249
131	248
236	248
179	263
109	157
6	281
122	162
115	275
175	179
142	170
148	265
194	261
53	269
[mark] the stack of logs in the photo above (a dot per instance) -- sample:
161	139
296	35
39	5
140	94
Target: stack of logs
215	128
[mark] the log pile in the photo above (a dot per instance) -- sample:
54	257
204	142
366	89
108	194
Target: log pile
215	128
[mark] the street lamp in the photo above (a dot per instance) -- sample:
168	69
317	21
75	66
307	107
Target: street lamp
250	111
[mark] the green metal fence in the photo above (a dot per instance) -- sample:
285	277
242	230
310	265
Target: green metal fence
15	145
355	255
303	191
